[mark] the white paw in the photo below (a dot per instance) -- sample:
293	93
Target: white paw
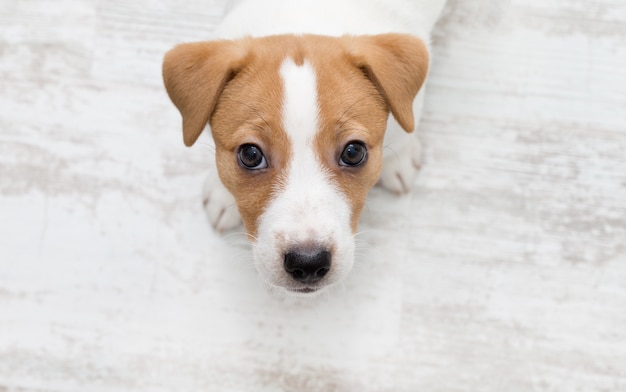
219	204
401	165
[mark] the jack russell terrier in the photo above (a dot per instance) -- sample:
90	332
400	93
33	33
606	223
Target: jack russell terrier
305	100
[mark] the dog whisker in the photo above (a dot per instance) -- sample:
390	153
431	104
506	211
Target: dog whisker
237	233
361	232
207	145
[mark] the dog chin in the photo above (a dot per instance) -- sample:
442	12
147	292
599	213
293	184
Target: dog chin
301	292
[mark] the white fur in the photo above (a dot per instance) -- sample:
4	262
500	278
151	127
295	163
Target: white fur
403	153
308	206
330	17
219	204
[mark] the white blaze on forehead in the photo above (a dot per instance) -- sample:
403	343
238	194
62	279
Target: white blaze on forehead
308	186
300	109
308	208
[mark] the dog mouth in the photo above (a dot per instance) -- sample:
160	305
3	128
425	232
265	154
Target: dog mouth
303	290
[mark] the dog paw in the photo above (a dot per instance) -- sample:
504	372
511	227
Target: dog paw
219	204
400	167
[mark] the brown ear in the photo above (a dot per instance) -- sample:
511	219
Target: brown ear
397	64
195	74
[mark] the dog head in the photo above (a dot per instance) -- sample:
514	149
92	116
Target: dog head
298	124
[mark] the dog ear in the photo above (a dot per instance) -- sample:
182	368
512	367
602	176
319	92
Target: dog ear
397	64
195	75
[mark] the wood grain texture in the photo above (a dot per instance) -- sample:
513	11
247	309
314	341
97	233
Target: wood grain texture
504	270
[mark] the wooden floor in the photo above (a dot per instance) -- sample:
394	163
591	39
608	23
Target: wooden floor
504	270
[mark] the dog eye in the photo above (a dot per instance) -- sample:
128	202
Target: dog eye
251	157
354	154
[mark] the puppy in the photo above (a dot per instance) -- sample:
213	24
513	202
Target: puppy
301	97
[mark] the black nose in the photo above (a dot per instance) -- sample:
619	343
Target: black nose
307	267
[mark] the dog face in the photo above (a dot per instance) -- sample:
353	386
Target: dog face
298	124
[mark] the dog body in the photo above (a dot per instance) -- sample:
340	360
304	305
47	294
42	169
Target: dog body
301	97
329	17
